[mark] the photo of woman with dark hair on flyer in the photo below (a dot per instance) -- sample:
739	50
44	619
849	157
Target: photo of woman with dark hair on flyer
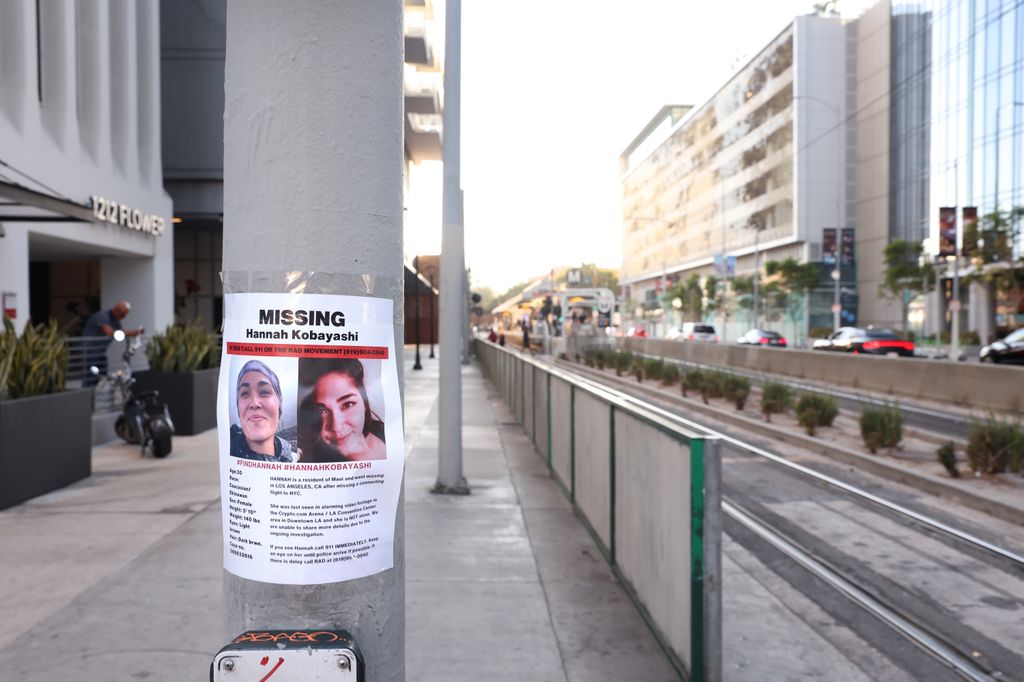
337	419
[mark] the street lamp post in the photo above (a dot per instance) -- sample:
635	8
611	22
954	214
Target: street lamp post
757	273
416	267
431	273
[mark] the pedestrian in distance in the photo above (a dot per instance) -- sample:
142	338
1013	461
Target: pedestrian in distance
103	323
526	337
258	398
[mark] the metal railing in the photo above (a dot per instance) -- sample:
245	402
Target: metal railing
647	489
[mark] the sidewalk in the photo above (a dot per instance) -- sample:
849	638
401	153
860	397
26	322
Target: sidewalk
119	577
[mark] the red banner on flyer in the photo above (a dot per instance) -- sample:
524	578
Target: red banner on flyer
289	350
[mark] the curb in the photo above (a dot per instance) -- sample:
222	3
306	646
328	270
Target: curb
923	482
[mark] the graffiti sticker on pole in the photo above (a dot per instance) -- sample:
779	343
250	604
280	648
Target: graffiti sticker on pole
309	420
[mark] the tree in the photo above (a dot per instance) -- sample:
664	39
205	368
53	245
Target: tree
990	243
794	281
592	277
905	275
488	300
691	296
509	293
743	287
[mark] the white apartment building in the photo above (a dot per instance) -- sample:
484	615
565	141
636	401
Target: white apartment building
767	163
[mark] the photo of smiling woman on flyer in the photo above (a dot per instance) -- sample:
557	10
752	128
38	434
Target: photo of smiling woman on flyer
337	422
259	402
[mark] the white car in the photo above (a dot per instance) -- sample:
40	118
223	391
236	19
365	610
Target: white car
694	331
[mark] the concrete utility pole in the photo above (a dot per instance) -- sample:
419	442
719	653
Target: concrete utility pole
313	160
453	267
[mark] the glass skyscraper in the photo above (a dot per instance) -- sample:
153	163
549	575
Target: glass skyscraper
958	109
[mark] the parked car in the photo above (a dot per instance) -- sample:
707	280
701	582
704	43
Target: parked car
693	331
1009	349
870	341
762	337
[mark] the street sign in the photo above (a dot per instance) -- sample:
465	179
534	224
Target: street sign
605	301
837	308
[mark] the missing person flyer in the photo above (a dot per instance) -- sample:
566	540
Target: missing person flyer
309	420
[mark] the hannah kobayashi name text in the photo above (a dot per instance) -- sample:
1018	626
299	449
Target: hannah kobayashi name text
302	335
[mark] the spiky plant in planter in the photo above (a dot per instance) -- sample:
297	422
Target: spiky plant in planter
35	363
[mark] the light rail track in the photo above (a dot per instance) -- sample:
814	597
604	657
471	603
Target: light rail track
919	633
965	666
897	509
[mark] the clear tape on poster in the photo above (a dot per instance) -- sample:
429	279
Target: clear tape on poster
309	420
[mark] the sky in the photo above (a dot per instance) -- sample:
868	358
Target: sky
552	92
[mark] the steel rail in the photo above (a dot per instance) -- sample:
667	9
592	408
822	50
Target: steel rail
923	520
961	664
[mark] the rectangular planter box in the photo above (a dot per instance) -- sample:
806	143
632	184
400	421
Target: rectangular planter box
190	396
45	444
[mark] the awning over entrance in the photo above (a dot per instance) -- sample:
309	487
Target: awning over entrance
23	205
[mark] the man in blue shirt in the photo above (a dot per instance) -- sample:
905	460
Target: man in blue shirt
100	324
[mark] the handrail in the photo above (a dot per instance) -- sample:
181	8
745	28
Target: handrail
617	398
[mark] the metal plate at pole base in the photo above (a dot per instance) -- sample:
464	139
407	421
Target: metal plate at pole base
461	489
289	656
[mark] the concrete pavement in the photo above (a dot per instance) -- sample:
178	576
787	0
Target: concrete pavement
119	577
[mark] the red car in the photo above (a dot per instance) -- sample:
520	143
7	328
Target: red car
869	341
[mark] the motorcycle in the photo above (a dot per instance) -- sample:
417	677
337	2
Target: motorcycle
144	417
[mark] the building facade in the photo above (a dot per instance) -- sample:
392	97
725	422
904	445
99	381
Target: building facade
765	166
84	219
192	54
951	93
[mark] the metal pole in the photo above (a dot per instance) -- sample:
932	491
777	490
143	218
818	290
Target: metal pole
309	87
453	266
757	274
939	322
954	352
712	559
837	305
416	266
466	303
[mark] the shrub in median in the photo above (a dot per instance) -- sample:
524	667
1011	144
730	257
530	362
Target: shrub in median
693	379
995	446
736	389
653	367
947	458
712	386
670	374
881	427
775	399
637	369
814	410
622	362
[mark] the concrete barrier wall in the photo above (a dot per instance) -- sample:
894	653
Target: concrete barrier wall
540	398
561	431
530	404
593	464
986	387
647	489
652	524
